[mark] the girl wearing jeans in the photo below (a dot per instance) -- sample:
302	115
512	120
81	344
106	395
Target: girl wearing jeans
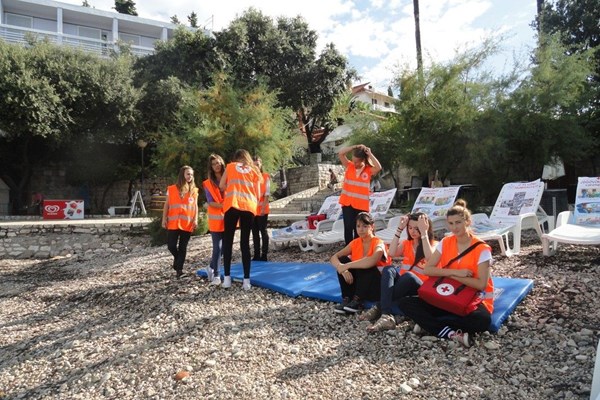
216	224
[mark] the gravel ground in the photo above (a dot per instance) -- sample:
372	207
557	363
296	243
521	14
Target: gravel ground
118	325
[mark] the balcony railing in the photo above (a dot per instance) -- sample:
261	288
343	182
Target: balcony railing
16	34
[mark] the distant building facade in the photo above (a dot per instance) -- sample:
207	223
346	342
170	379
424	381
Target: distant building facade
86	28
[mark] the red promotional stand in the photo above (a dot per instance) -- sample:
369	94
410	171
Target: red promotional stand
63	209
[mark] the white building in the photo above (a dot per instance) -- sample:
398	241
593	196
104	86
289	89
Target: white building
363	93
82	27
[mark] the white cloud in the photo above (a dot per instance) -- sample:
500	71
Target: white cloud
376	35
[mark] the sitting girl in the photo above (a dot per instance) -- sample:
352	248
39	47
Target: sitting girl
472	269
358	265
398	283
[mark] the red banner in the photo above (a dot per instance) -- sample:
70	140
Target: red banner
63	209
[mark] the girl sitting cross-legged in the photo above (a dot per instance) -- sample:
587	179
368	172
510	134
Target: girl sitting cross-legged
472	268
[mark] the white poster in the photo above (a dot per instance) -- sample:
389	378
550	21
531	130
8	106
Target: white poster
587	201
517	198
380	202
331	207
435	202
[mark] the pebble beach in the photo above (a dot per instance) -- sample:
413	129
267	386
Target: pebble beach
117	324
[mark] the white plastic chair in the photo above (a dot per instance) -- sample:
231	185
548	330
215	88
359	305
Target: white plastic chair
387	234
570	233
505	225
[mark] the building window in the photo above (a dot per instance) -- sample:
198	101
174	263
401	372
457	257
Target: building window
130	39
374	101
386	104
19	20
90	33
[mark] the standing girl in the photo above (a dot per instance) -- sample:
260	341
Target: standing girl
358	266
241	184
180	216
355	190
259	227
398	283
216	224
472	269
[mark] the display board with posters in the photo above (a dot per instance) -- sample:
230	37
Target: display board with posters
63	209
587	201
435	202
517	198
380	202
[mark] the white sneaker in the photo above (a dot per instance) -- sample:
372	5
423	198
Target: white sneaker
461	337
227	282
417	329
210	273
246	284
216	281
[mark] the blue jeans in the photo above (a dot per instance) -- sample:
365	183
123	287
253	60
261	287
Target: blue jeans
217	242
394	287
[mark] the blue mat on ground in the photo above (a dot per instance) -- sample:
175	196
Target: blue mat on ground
319	281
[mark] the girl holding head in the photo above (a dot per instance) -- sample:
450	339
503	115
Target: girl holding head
355	189
397	283
216	223
180	216
472	269
241	185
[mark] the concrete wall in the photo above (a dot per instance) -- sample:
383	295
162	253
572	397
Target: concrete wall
42	241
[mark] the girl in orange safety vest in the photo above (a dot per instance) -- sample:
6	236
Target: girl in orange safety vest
241	183
473	270
216	223
259	227
180	216
404	281
355	190
358	266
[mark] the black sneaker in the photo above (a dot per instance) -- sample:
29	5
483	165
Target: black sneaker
178	273
354	306
339	308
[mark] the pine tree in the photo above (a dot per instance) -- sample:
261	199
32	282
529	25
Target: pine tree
193	19
125	7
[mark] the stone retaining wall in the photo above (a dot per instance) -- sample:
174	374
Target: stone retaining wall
46	240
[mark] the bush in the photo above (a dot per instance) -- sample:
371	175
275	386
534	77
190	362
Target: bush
158	235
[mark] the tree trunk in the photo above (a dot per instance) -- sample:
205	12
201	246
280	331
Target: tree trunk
418	40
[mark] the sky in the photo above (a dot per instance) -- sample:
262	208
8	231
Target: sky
377	36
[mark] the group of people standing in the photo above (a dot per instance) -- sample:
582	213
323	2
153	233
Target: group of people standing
236	195
365	270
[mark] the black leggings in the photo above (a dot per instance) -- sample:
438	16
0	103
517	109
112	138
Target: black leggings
349	215
232	216
259	228
440	322
179	252
365	285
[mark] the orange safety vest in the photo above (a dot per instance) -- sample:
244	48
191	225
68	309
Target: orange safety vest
241	192
216	220
408	261
470	260
355	190
263	202
356	246
181	212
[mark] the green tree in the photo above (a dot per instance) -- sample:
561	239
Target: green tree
193	19
576	23
125	7
54	97
175	20
283	54
231	118
190	56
